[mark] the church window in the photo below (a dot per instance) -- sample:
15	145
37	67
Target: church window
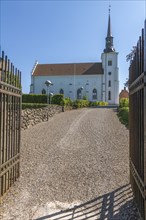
109	73
109	83
109	62
61	91
94	94
109	95
43	91
79	94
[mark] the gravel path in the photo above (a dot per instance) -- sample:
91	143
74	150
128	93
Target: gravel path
77	159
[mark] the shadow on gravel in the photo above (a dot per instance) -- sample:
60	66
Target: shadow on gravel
106	106
117	205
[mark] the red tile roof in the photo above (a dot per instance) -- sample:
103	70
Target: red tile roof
124	94
68	69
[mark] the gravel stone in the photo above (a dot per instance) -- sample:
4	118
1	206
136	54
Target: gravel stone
78	161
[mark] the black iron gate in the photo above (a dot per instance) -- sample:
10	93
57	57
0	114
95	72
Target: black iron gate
137	114
10	119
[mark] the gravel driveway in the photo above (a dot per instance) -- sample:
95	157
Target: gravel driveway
78	160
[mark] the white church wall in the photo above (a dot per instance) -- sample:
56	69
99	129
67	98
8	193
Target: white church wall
70	85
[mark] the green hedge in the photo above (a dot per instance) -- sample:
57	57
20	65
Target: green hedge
124	102
33	105
98	103
33	98
123	115
123	111
67	102
80	103
57	99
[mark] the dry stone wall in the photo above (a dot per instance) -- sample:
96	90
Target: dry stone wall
31	117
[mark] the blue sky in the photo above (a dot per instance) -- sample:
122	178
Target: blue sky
67	32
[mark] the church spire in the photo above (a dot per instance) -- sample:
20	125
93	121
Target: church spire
109	33
109	39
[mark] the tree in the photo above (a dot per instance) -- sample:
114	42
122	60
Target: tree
126	84
131	55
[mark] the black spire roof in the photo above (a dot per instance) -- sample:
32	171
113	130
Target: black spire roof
109	33
109	39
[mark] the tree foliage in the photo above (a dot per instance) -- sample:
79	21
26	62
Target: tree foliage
131	55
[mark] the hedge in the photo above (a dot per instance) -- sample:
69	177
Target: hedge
33	98
57	99
123	115
33	105
124	102
80	103
98	103
66	102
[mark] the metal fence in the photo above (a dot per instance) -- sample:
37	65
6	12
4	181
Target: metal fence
10	119
137	117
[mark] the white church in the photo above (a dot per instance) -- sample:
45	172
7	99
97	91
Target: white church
97	81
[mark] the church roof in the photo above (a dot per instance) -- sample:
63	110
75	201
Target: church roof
124	93
68	69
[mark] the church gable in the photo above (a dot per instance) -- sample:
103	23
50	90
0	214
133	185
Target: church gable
68	69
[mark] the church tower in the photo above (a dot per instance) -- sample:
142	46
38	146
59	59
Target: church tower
110	80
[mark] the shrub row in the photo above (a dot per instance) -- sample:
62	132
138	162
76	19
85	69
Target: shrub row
57	99
80	103
123	112
98	103
33	98
123	115
124	102
33	105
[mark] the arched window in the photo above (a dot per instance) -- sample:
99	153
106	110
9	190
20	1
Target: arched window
61	91
109	83
79	93
109	73
109	95
94	94
43	91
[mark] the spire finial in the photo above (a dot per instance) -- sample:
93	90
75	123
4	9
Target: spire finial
109	38
109	8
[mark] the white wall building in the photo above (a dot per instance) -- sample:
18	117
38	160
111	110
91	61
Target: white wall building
96	81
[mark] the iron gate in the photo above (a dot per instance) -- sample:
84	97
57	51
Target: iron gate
137	127
10	123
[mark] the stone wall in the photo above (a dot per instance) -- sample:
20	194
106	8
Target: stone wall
31	117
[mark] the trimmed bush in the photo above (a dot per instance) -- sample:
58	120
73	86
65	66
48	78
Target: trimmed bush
33	98
57	99
123	115
124	102
33	105
100	103
67	102
80	103
85	97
